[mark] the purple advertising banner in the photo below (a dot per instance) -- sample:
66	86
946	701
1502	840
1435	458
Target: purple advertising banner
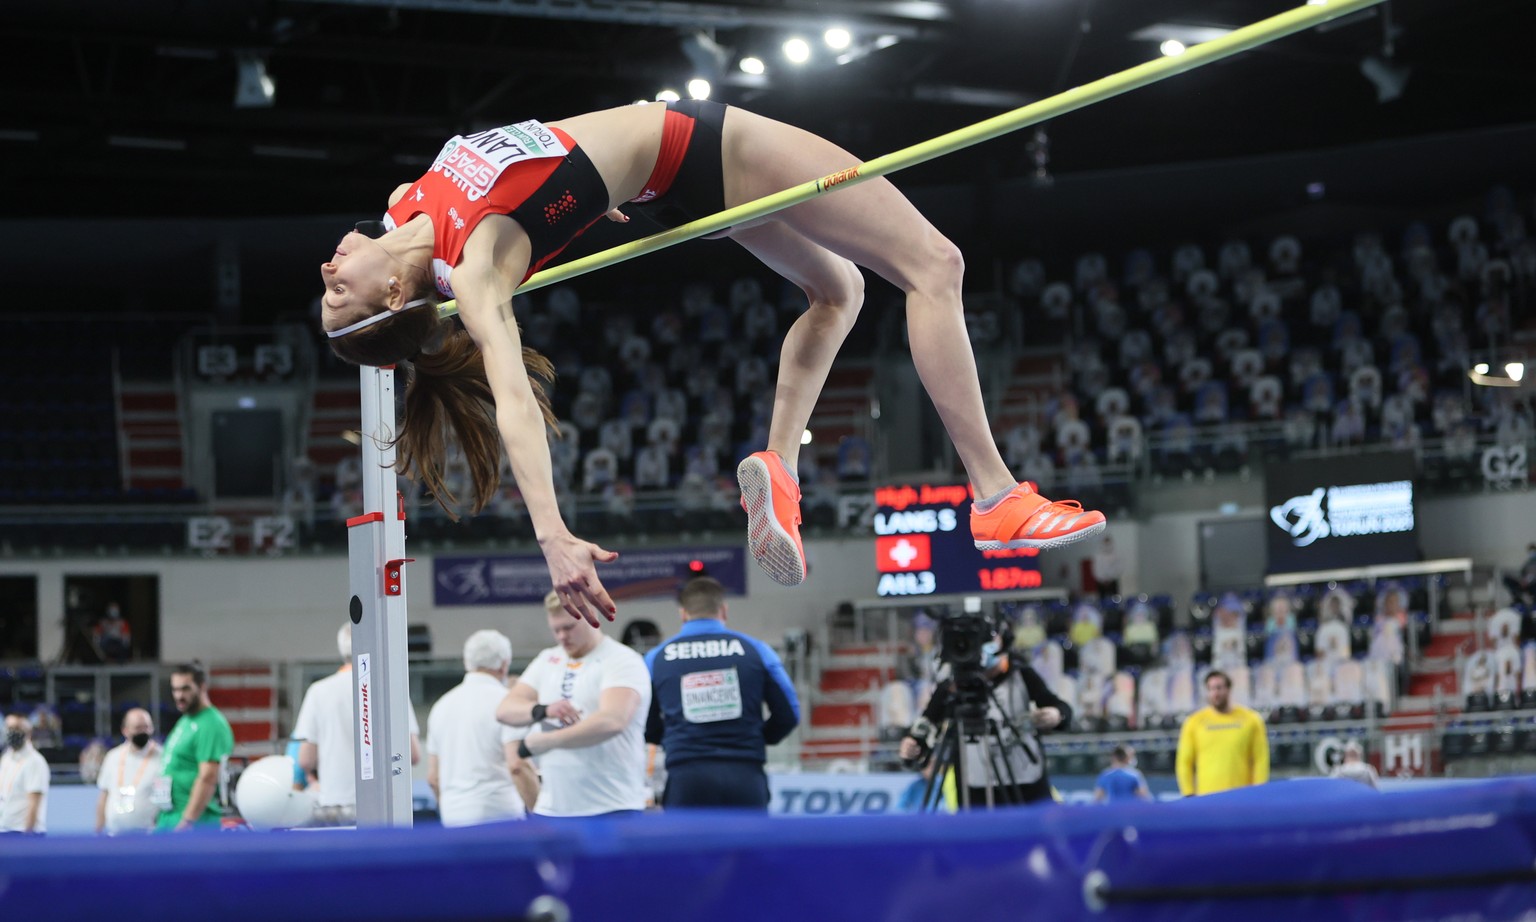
515	579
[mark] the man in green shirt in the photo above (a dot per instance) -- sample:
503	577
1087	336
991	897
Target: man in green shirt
194	756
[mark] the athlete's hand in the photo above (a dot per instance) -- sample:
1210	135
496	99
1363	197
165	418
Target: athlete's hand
562	712
1045	718
574	576
619	216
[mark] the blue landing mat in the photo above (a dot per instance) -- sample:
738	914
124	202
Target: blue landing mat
1297	850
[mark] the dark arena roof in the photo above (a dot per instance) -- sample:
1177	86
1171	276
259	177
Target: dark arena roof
139	110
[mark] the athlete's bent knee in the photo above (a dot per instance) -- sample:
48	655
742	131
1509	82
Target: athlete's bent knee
940	266
845	294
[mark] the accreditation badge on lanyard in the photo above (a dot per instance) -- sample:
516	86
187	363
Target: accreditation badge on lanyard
127	793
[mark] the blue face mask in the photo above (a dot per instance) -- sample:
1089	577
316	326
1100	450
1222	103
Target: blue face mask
991	653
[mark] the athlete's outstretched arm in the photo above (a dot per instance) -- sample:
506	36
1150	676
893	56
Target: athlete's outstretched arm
485	306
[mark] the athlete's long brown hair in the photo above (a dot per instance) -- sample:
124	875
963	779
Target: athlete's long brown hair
445	389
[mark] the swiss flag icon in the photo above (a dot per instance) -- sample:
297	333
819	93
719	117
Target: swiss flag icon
897	553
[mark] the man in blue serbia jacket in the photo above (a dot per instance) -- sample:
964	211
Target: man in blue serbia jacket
710	686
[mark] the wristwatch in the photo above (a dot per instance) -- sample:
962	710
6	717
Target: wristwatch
539	711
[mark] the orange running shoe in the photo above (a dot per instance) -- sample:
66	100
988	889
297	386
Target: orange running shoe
772	501
1024	518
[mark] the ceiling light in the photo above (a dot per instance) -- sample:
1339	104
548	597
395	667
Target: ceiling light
698	88
837	38
667	96
1171	47
797	50
753	66
805	437
1498	373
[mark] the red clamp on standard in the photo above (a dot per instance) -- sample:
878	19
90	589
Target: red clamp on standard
392	571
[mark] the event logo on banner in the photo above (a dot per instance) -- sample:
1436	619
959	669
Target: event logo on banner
1354	511
514	579
1365	509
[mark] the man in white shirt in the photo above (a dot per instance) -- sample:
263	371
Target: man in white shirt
327	734
472	761
127	771
24	778
588	696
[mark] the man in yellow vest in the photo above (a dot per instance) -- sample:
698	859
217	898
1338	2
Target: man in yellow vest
1222	746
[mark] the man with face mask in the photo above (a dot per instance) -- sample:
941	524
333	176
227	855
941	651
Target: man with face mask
123	807
1021	706
24	779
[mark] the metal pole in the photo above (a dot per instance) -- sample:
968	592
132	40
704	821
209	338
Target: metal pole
376	558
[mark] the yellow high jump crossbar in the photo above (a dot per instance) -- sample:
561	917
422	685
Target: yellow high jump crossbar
1239	40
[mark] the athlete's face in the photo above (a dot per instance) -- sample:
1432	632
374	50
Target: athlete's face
356	280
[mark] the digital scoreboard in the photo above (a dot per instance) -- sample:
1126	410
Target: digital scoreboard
923	546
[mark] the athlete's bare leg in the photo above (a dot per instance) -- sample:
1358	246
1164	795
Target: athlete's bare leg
874	226
835	288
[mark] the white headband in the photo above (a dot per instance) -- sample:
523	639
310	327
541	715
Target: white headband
381	315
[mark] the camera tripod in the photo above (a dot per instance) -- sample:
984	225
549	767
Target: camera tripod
967	721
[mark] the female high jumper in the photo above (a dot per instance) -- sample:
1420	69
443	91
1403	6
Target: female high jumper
498	205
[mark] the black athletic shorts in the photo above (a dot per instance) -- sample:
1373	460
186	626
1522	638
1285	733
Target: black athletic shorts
698	190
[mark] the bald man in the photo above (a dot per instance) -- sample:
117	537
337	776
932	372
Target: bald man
127	771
